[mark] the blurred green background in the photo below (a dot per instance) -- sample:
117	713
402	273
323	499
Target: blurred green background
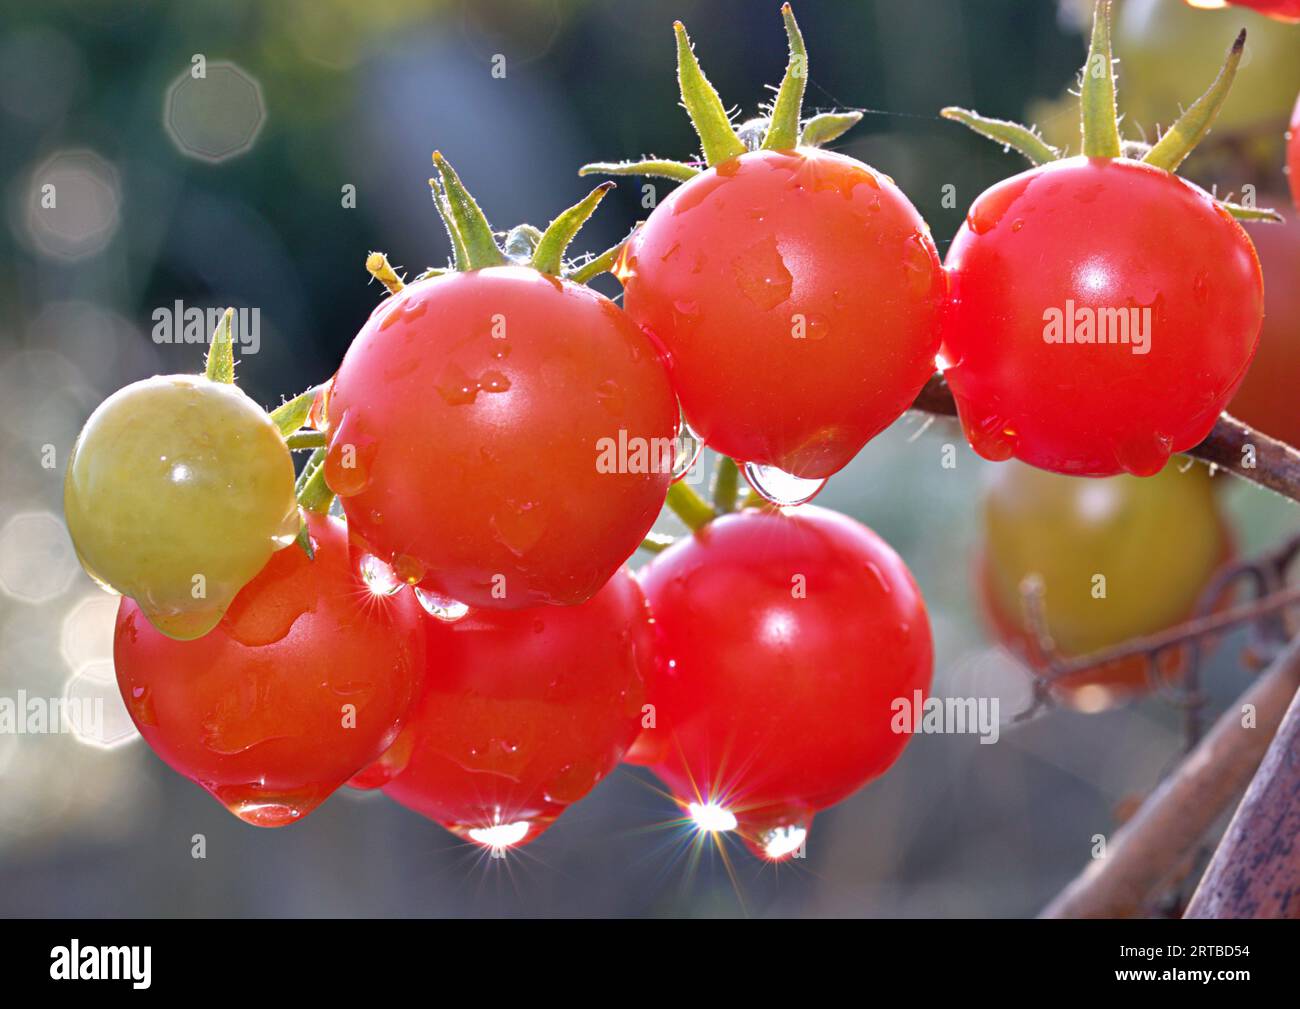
231	191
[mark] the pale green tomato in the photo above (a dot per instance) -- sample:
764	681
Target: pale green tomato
178	491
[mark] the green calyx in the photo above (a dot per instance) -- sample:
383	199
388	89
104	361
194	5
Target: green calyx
782	129
1099	120
289	417
475	245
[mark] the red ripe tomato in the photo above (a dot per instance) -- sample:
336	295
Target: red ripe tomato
524	711
303	682
1267	397
1103	313
797	294
784	640
1282	10
501	437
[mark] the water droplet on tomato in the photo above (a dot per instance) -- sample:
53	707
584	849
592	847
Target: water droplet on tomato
349	459
572	783
779	843
497	837
318	415
455	387
1144	455
440	607
687	448
991	437
761	274
266	812
380	579
493	381
519	525
610	395
140	704
920	265
782	488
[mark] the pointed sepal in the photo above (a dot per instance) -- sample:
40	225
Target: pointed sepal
1181	139
292	414
220	363
1006	133
718	139
480	246
548	257
459	255
1100	120
827	126
659	167
783	131
1244	213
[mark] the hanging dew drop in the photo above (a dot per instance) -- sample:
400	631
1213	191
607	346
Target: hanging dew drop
780	843
782	488
378	576
689	446
440	607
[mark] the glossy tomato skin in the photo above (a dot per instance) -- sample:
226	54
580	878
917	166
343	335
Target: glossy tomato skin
783	641
1266	400
1293	155
304	682
1282	10
1157	542
177	484
470	429
523	713
797	294
1125	242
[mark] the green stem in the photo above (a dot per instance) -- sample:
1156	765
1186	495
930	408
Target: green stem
377	266
305	439
1181	138
783	131
1097	94
689	506
314	493
726	484
548	257
656	543
718	139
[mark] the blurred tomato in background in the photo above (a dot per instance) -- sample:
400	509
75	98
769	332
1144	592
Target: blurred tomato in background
1116	558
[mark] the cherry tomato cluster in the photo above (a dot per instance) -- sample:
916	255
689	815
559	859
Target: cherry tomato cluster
439	607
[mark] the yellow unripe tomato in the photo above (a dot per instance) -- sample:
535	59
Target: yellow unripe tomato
178	491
